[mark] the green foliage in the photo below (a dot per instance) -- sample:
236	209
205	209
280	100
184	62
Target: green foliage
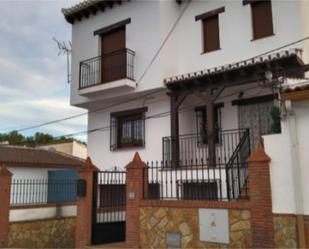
39	138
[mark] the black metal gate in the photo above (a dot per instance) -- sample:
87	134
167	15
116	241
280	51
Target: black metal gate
109	202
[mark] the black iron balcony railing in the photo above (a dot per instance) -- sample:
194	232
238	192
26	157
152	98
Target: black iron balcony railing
107	68
194	148
192	177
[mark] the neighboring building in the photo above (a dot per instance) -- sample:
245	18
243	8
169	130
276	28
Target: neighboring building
40	175
192	83
289	153
73	148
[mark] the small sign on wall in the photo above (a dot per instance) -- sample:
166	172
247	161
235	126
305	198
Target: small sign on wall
173	239
214	225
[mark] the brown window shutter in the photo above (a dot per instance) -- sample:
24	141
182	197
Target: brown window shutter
113	41
262	21
113	55
211	34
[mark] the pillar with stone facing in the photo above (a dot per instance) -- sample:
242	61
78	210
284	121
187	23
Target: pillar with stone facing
136	190
260	195
84	207
5	195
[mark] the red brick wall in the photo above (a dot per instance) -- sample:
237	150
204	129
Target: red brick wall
135	180
84	208
5	192
260	196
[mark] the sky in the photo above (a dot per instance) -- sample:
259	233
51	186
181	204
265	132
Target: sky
33	77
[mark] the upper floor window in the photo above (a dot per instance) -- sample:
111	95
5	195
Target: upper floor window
128	129
210	29
262	20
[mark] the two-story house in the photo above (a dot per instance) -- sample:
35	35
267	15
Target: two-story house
183	82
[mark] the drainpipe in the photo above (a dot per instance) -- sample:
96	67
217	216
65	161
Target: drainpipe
296	172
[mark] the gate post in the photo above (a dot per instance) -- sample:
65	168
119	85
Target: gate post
84	207
5	195
136	180
260	195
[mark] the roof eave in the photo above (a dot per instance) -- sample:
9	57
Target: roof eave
78	12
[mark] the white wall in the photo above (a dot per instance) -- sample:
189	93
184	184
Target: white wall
28	214
152	20
282	167
156	128
71	148
142	36
31	173
79	150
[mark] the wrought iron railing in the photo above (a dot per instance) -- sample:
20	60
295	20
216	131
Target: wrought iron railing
43	191
194	148
190	182
237	169
106	68
109	196
193	178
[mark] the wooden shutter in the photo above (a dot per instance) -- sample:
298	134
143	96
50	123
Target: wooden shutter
114	41
113	55
211	33
262	22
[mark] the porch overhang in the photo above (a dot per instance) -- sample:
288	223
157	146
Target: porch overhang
286	63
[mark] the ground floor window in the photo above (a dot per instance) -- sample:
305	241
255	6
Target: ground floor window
198	190
128	129
201	123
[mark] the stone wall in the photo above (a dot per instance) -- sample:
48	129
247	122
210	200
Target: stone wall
155	222
52	233
285	228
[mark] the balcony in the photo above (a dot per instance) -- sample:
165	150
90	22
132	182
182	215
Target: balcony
109	71
192	176
194	149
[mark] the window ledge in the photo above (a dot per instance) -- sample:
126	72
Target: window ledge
211	51
260	38
129	148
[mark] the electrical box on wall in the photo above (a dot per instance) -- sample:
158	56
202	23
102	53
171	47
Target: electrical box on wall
214	225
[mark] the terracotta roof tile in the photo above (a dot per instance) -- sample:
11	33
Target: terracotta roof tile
296	88
22	156
232	66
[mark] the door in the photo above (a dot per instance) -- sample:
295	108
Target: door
113	55
257	117
109	204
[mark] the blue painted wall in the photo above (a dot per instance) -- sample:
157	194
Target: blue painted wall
62	186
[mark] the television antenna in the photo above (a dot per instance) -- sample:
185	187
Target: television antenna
65	48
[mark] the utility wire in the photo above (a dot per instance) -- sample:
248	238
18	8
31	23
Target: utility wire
137	82
123	102
154	116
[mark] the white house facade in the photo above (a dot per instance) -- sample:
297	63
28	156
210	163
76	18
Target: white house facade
184	81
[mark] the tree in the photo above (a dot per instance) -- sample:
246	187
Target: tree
39	138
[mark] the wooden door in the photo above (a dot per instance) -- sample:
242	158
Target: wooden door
113	55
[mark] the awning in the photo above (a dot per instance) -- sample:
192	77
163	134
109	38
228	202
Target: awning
284	63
